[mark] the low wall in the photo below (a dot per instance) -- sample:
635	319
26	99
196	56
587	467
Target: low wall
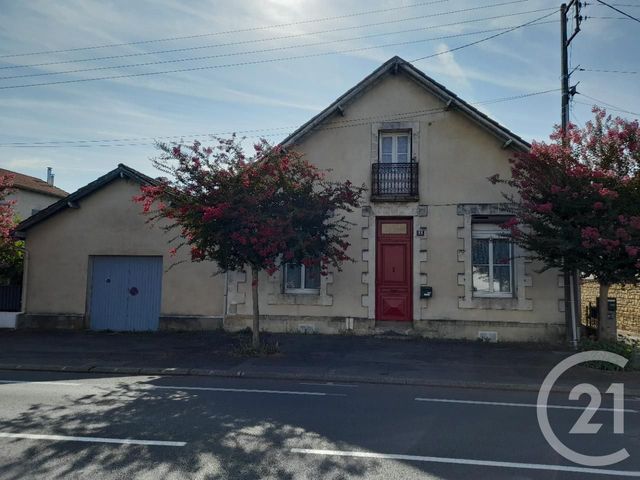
291	324
444	329
50	321
628	300
492	331
189	324
55	321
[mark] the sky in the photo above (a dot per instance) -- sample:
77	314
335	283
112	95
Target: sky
270	65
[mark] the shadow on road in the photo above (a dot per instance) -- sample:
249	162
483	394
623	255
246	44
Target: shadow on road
228	437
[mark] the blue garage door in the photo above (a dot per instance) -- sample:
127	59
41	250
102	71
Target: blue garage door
125	293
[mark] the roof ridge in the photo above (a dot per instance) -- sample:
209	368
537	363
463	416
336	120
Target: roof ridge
435	88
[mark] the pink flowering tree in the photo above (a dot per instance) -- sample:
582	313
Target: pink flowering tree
576	203
256	212
11	252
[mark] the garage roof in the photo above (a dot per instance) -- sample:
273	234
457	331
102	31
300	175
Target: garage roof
122	171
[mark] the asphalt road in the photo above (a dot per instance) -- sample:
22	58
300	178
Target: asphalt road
105	427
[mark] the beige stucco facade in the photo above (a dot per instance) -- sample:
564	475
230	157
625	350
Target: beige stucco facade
455	155
108	222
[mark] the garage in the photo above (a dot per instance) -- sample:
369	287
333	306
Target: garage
126	292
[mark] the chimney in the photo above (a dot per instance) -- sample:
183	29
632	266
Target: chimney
50	176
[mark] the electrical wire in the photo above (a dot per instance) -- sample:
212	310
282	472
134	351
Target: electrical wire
263	61
597	70
251	29
264	132
618	10
284	37
486	38
234	54
613	107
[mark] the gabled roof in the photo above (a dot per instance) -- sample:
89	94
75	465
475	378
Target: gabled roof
33	184
122	171
395	66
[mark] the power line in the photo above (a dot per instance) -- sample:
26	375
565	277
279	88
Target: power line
284	37
250	29
606	18
486	38
597	70
234	54
210	34
613	107
263	61
354	122
618	10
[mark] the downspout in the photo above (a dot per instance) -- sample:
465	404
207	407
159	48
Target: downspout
226	295
572	301
25	276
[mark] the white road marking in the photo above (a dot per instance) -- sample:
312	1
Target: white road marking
329	384
50	382
65	438
526	405
171	387
467	461
251	390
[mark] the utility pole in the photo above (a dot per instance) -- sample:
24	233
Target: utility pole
571	287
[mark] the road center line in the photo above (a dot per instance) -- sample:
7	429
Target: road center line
467	461
65	438
251	390
525	405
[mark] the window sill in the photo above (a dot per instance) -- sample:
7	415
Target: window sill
493	295
306	298
495	303
302	291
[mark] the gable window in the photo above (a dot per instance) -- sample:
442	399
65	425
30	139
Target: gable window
395	147
300	278
492	256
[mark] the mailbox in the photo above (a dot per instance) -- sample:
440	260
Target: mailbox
426	292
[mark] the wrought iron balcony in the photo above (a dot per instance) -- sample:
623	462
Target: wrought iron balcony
394	182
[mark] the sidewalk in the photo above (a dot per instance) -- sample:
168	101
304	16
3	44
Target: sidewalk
388	359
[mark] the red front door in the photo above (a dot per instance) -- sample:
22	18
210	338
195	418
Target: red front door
393	269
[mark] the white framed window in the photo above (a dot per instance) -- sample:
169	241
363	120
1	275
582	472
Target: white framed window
395	147
492	262
300	278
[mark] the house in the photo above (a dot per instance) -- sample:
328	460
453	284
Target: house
93	261
431	258
32	194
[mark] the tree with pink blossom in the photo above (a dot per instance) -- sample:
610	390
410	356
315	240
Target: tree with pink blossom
576	203
11	252
254	213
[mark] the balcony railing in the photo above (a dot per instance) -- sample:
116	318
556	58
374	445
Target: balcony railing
394	181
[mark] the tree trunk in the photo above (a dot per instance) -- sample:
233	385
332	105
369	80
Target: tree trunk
255	339
606	327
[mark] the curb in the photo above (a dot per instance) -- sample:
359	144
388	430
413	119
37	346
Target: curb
310	377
